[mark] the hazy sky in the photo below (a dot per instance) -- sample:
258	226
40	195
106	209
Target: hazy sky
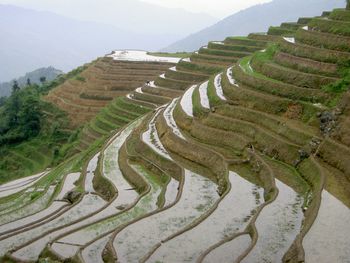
217	8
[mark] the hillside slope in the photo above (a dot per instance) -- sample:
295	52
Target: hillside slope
102	81
254	19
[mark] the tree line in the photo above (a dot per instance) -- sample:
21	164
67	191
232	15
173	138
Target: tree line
21	114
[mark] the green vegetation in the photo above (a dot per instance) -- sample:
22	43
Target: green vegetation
304	20
22	114
314	53
186	76
34	77
237	38
322	40
343	84
245	65
279	31
291	26
47	86
115	115
289	175
331	26
218	60
206	69
174	55
245	41
2	101
268	54
214	99
224	53
101	184
34	134
340	14
80	78
198	110
94	97
265	64
260	81
271	127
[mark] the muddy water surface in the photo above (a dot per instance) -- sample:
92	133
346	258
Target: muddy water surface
135	241
151	138
218	87
147	204
88	204
229	218
169	118
203	92
31	208
278	224
230	251
186	101
90	173
329	237
93	252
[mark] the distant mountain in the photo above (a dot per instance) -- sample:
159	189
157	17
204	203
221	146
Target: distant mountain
49	74
130	15
255	19
33	39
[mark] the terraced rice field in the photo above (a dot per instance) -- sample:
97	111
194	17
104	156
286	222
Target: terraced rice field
218	225
217	159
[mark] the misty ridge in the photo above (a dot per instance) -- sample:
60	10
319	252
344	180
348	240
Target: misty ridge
257	18
68	37
32	39
37	76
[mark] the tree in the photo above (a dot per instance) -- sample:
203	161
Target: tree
42	80
13	105
12	108
22	115
348	4
15	86
2	101
29	82
30	116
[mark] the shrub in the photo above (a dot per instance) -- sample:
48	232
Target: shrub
304	20
206	69
22	116
340	14
331	26
262	83
305	65
80	78
343	84
323	40
225	53
233	47
246	41
319	54
278	31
